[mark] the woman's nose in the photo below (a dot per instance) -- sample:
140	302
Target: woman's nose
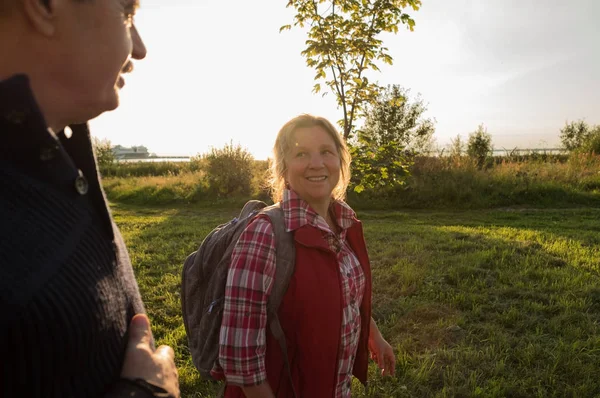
316	161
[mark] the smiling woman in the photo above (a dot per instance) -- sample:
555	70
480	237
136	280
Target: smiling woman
326	311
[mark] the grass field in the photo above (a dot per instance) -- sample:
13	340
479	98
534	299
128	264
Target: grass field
486	303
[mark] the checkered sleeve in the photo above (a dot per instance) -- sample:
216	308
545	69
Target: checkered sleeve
242	339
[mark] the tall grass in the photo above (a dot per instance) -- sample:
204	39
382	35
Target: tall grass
436	182
151	169
170	183
458	182
156	190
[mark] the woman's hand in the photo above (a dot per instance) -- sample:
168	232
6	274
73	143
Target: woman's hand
381	351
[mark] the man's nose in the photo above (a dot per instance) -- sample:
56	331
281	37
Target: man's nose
139	48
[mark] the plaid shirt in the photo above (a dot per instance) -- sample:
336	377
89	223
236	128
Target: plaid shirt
252	271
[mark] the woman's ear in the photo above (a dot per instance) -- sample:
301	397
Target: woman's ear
284	176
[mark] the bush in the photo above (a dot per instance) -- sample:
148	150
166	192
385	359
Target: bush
261	180
479	146
103	150
229	170
591	144
456	147
574	135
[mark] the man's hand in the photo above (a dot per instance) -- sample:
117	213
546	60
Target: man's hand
143	362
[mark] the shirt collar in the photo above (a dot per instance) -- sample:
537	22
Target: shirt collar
298	213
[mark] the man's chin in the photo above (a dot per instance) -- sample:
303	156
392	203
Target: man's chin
112	101
110	104
114	104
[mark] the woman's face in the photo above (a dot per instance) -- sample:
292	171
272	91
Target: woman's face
313	165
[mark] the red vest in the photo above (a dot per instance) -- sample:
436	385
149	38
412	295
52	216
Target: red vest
311	317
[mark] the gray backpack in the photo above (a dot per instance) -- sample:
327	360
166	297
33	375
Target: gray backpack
205	274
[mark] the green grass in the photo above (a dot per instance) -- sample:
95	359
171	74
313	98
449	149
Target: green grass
494	303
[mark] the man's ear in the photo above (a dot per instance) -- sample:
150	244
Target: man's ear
41	15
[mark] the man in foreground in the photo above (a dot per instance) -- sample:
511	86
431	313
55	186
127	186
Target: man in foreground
73	322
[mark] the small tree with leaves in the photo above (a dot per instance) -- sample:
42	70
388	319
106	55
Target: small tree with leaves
343	44
479	146
394	117
384	148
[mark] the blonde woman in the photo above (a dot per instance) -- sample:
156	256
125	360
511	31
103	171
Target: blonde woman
326	311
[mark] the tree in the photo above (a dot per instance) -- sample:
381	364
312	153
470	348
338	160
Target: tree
479	146
384	148
393	117
343	45
104	152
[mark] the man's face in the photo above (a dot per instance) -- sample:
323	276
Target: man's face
95	41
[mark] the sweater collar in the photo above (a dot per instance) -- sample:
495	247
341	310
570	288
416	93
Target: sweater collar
23	126
28	144
21	120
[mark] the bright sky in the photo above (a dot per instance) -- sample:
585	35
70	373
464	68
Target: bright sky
220	70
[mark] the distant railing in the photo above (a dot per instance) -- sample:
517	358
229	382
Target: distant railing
513	152
156	159
525	151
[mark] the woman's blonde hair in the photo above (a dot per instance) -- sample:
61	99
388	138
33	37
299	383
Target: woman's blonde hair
283	145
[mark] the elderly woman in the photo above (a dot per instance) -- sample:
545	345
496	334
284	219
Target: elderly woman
326	311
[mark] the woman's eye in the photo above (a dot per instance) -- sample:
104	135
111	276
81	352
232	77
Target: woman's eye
300	154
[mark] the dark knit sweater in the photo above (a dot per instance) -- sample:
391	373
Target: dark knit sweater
67	289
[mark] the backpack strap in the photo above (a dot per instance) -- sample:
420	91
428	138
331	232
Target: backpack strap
285	252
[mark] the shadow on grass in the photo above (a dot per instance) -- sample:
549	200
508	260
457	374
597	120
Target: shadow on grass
472	311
